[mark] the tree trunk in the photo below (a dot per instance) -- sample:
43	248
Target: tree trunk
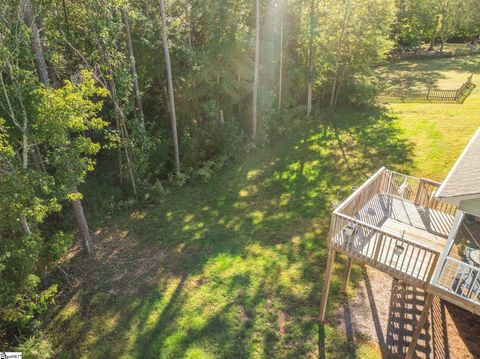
136	87
400	14
334	88
39	160
339	53
24	224
310	59
280	71
43	77
82	225
222	119
36	43
123	131
309	98
434	36
170	87
256	70
444	24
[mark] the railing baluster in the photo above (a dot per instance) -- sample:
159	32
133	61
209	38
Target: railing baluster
405	255
388	250
414	263
421	263
473	284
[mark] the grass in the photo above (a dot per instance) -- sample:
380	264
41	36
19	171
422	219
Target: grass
233	268
237	262
439	132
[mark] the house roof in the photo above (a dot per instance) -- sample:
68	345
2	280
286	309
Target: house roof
463	181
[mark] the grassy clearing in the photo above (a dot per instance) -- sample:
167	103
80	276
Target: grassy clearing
439	132
237	263
233	268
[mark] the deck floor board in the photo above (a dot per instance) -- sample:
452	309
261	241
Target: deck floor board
426	227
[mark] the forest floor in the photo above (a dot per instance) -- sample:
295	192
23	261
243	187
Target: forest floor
233	267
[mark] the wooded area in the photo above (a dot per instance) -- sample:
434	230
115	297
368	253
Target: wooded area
115	102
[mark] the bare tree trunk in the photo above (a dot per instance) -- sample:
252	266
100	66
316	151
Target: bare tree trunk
309	98
256	69
123	131
280	71
24	224
334	88
136	87
434	36
400	14
338	54
444	24
82	224
43	77
170	87
222	119
39	159
310	60
36	42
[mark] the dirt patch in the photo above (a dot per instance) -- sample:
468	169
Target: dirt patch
385	311
117	264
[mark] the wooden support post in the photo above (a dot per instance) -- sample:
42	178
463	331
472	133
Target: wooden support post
419	327
326	283
348	269
378	245
432	270
419	192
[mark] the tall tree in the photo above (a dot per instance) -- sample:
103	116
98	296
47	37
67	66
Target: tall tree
37	45
280	70
256	70
171	95
133	67
310	58
42	71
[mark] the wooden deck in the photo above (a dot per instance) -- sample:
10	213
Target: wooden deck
398	215
413	237
394	223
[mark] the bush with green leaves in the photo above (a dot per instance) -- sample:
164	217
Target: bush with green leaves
60	126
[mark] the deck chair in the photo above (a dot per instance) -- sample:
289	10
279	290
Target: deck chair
468	280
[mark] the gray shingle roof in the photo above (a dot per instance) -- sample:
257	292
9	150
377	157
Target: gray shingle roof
464	178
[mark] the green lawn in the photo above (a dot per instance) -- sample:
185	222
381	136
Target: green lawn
233	268
438	131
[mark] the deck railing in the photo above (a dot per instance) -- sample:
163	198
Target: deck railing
461	279
355	231
420	191
383	249
363	194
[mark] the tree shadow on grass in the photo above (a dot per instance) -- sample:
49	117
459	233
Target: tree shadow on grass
239	259
425	73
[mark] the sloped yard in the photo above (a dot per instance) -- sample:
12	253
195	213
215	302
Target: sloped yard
233	268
